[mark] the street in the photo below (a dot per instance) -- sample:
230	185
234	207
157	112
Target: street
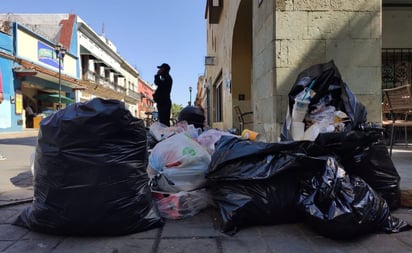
16	177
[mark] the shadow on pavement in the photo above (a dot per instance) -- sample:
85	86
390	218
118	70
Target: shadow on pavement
29	141
23	179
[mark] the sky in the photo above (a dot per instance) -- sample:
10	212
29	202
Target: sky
146	33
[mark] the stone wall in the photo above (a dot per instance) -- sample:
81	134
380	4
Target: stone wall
291	35
397	28
307	32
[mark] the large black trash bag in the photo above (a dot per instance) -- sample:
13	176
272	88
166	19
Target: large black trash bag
328	82
363	153
238	159
256	202
341	206
257	183
90	173
194	115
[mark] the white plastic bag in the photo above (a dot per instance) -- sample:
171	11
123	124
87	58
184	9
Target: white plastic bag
160	131
178	163
208	138
182	204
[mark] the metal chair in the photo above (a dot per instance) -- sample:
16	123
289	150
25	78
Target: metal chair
399	102
244	118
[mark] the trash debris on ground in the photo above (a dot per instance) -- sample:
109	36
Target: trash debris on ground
324	127
252	181
252	135
331	170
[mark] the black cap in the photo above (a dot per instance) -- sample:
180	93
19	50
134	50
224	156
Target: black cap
164	66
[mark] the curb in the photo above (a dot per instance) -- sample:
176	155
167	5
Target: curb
17	202
22	134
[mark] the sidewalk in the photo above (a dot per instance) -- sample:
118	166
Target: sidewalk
16	181
200	233
28	132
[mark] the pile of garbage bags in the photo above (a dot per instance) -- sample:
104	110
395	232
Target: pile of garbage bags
338	179
99	171
273	183
358	145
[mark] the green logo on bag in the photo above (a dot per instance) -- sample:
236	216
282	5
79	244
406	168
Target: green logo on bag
189	151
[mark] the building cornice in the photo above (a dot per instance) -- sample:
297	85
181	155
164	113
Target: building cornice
7	56
89	33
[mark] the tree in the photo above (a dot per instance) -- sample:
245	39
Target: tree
176	109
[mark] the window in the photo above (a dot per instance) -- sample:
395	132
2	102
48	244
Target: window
218	97
396	67
215	3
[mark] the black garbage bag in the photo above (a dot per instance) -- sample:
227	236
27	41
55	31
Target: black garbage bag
194	115
327	83
238	159
341	206
256	202
364	154
257	183
90	173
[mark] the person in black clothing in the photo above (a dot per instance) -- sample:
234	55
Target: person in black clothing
161	96
29	116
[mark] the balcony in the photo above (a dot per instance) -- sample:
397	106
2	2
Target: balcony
90	76
134	94
107	84
120	89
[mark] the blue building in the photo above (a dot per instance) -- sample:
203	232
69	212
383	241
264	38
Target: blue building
8	114
38	69
51	60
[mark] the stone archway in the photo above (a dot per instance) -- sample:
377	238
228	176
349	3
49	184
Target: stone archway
241	60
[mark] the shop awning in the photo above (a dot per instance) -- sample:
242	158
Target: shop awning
53	97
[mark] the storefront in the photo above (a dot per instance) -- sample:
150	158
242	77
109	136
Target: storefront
41	79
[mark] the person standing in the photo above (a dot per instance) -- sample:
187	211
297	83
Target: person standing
29	116
161	96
